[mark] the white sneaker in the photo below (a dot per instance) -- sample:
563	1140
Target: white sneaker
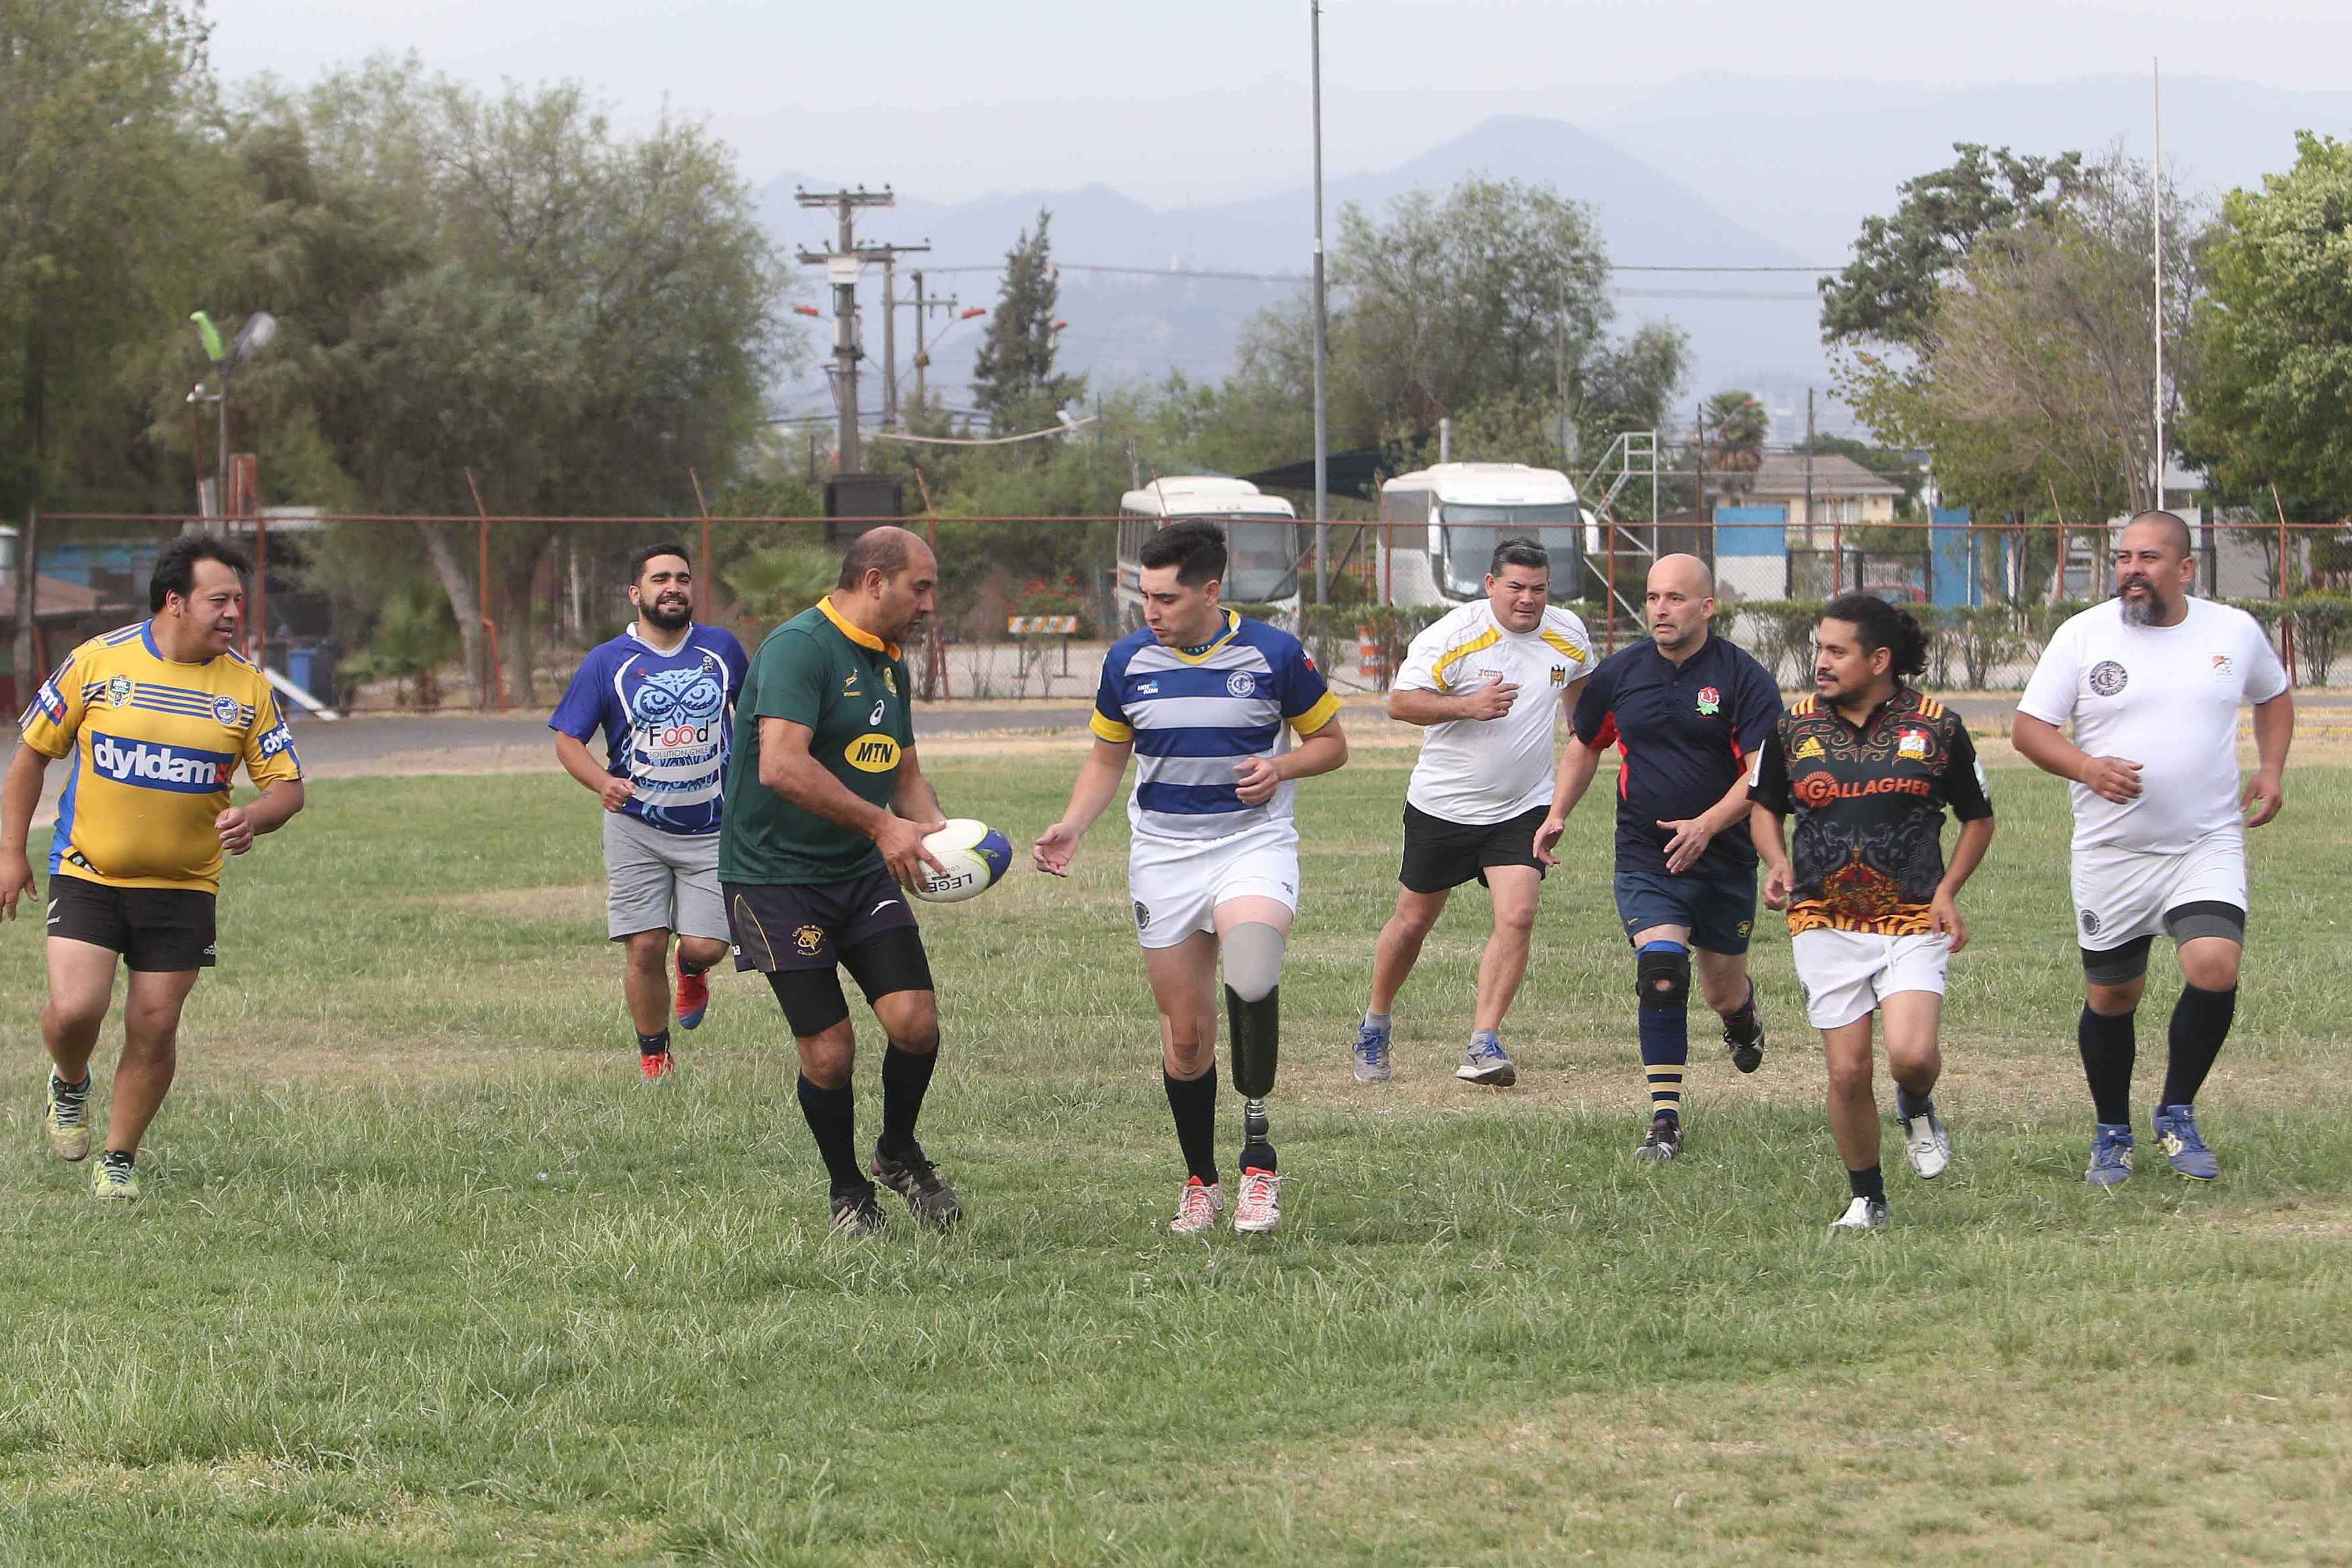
1260	1208
1927	1143
1198	1209
1862	1213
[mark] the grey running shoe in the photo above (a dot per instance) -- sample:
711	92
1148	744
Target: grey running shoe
1484	1062
929	1199
2111	1159
1663	1141
1862	1213
1926	1145
68	1119
1372	1055
2176	1129
856	1214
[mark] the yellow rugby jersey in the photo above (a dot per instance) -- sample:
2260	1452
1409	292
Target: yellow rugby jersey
154	746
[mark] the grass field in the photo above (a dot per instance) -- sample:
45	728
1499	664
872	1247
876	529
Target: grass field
423	1274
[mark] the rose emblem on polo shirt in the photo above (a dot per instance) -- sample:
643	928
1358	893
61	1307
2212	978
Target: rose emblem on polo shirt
1710	701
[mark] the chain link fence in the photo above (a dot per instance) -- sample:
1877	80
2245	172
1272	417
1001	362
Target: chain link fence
490	613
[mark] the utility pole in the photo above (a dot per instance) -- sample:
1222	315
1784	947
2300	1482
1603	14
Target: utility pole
841	268
1322	347
923	305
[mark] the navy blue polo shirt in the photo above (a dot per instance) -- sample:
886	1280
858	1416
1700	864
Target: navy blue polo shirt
1683	733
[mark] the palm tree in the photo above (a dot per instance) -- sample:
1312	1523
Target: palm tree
1734	424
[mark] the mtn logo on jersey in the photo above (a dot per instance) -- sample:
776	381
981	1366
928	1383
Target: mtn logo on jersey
872	753
183	770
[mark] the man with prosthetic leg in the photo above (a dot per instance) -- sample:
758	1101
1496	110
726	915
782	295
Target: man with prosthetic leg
1207	703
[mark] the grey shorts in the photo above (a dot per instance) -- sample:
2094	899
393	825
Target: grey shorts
661	881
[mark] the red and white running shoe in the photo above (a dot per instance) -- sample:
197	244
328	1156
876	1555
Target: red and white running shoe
1198	1209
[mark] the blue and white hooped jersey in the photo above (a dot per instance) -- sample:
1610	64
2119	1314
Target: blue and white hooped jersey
1194	716
668	721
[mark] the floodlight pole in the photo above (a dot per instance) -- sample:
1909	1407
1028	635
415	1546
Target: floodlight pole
1322	347
2156	201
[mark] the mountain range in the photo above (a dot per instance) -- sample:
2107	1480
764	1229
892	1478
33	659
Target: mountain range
1713	172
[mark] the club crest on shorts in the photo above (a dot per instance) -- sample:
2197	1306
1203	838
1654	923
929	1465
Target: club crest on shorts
2090	923
1241	683
2107	677
1710	701
118	691
810	939
1142	916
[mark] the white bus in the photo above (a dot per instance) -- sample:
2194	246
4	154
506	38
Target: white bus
1261	539
1459	512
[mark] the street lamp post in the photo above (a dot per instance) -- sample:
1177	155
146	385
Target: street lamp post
1322	431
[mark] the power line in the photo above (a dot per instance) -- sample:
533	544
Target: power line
1219	276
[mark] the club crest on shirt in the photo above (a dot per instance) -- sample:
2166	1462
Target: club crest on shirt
1559	675
225	708
2107	677
2224	667
118	691
890	682
1811	746
1913	743
1710	701
1241	683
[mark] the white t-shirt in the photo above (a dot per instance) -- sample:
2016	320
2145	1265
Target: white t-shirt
2166	698
1478	771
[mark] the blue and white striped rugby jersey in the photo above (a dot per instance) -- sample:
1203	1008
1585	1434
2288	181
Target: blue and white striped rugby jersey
1193	716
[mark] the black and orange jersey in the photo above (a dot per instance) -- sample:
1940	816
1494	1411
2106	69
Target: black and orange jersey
1867	851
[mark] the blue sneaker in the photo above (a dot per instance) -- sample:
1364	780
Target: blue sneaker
1372	1055
1484	1062
2176	1129
2111	1159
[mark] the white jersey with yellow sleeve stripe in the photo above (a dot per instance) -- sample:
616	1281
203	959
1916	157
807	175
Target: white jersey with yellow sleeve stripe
1481	771
155	744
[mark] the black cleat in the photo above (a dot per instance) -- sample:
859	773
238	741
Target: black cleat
856	1214
915	1179
1747	1055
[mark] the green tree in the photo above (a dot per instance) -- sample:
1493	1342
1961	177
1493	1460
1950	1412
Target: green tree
1736	424
2272	393
1888	293
2031	383
106	174
504	286
1012	377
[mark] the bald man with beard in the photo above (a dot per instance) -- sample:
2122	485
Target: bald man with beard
1687	711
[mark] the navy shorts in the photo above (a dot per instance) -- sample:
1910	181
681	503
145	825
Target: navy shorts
1718	902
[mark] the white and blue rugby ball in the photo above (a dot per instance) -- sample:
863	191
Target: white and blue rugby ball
975	855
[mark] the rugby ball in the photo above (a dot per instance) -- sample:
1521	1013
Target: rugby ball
975	856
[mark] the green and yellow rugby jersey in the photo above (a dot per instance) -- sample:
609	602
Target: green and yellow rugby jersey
850	687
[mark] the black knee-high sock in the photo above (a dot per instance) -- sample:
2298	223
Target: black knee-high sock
1194	1103
833	1117
2107	1049
1741	1020
2201	1022
905	1076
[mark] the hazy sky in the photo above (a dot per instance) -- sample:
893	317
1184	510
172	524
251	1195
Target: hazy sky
1207	99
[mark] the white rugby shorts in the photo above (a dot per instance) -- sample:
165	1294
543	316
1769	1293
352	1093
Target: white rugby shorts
2121	894
1176	884
1847	973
